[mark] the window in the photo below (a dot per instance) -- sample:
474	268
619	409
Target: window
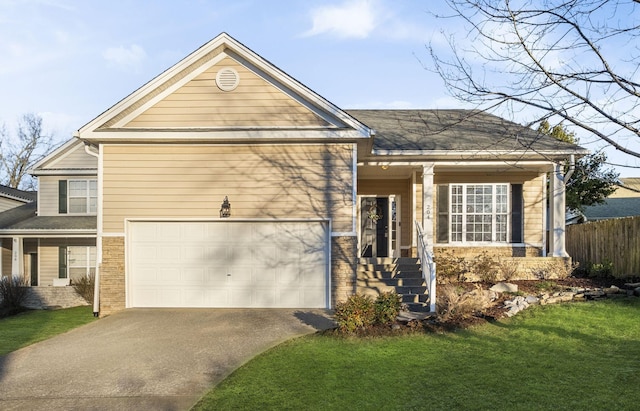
81	261
479	212
83	196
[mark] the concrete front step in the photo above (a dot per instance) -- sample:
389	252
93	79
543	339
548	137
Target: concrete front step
392	282
399	275
388	260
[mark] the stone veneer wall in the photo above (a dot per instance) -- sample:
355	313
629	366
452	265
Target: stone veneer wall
112	281
343	268
494	251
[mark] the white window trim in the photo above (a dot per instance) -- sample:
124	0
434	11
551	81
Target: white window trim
87	196
89	265
464	214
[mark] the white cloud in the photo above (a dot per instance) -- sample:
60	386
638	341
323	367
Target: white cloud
130	58
351	19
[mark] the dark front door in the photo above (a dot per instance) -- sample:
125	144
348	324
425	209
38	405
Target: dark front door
34	269
374	227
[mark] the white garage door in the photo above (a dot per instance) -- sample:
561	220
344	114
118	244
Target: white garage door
228	264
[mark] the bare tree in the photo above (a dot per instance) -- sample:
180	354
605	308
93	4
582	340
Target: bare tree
572	60
20	152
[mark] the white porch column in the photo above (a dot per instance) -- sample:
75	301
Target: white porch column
17	259
427	204
557	212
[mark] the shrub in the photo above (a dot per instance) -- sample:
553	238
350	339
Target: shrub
85	287
355	313
508	268
601	270
553	269
13	291
485	267
455	304
450	268
387	306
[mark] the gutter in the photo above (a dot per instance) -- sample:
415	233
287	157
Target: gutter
96	280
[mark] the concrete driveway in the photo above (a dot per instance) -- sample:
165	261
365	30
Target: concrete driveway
145	359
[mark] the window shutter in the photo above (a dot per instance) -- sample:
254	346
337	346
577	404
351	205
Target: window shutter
517	213
442	231
62	262
62	196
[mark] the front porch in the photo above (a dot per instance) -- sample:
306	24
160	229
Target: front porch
467	209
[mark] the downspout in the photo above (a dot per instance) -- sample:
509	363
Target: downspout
572	168
96	284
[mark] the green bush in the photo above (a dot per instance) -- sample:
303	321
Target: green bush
387	307
601	270
13	291
85	287
355	313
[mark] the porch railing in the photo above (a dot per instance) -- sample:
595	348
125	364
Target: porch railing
428	267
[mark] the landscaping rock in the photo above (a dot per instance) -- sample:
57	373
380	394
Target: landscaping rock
636	292
531	299
503	287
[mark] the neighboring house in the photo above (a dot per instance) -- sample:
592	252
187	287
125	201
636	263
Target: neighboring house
12	197
223	182
54	240
622	203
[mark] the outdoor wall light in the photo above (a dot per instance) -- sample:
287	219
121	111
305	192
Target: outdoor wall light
225	209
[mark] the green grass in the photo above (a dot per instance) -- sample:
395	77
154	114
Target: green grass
32	326
561	357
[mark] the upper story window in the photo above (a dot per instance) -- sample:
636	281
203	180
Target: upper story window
78	196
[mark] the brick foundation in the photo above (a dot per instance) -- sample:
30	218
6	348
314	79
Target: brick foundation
112	281
343	267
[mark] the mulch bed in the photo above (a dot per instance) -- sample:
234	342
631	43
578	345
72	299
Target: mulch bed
492	313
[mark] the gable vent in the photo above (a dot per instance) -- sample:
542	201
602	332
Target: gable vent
227	79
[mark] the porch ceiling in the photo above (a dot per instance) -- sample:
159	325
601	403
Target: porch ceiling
384	172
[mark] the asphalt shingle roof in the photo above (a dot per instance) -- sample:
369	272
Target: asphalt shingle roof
18	194
24	218
454	130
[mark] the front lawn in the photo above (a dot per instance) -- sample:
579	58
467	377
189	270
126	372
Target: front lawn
32	326
569	356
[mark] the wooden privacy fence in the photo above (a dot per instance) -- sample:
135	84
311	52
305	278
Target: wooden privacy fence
616	240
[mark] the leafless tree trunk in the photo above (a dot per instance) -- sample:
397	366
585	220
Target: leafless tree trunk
572	60
18	154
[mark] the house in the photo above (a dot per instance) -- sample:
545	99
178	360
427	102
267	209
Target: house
224	182
624	202
12	197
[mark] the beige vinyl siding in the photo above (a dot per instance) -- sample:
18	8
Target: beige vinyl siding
200	103
191	181
534	208
48	256
48	192
533	184
7	204
75	158
393	187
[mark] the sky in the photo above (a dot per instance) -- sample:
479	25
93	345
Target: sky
70	60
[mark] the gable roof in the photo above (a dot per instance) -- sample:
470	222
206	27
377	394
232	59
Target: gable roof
69	158
122	121
451	132
18	195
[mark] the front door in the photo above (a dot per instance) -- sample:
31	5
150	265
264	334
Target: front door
374	227
33	267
